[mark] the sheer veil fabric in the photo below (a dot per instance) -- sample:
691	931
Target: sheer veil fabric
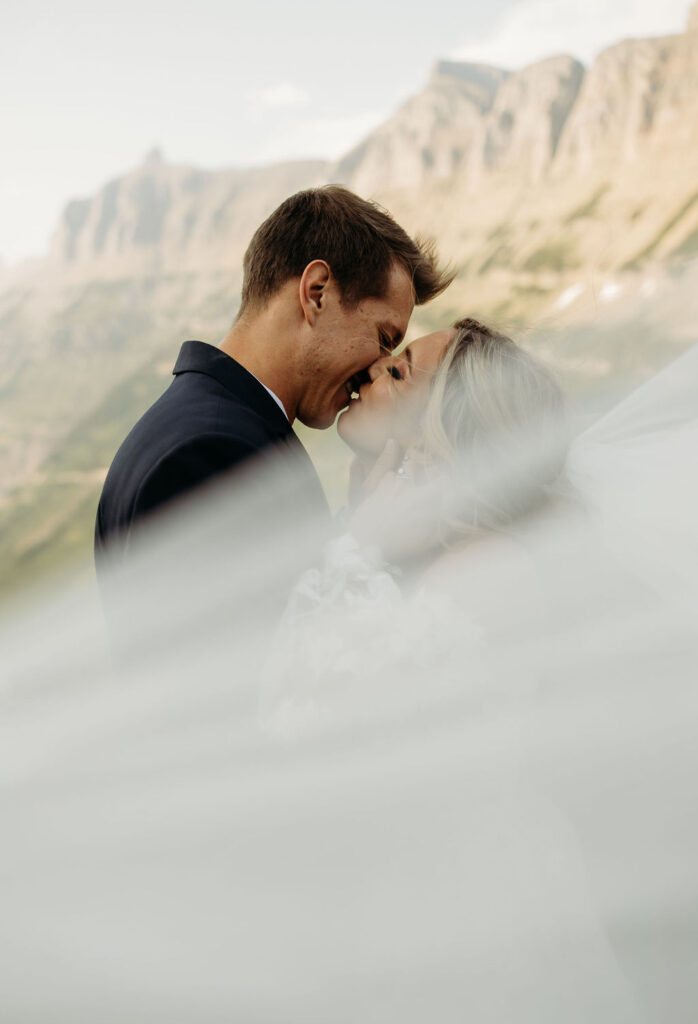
464	795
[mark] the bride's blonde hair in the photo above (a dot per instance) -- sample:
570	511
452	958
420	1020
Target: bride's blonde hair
495	420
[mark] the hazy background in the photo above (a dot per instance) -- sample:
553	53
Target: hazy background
90	88
566	198
550	148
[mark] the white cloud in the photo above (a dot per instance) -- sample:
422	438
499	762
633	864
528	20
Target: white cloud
282	97
326	137
335	135
530	30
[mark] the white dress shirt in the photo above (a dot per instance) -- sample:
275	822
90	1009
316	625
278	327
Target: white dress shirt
275	397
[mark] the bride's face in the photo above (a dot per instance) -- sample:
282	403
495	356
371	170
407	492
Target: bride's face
391	403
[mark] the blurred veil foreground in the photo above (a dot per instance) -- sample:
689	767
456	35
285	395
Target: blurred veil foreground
306	788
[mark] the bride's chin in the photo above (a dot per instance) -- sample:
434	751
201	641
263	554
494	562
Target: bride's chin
340	419
344	434
344	420
351	438
356	432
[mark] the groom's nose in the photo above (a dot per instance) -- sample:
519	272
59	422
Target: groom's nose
380	366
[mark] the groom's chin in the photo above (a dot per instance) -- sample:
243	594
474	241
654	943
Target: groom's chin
319	421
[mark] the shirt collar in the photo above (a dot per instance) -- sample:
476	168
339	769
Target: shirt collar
273	395
200	357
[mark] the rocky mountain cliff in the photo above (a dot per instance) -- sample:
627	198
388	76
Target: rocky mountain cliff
550	119
162	217
638	95
435	135
471	122
472	129
567	200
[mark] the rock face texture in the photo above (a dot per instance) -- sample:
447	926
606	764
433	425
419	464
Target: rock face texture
617	104
473	128
552	118
470	121
180	217
433	136
523	129
632	95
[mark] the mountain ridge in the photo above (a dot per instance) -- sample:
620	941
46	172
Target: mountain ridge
471	120
565	198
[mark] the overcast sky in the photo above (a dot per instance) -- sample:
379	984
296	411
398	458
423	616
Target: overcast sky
89	87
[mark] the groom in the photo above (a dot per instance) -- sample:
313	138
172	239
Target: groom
329	285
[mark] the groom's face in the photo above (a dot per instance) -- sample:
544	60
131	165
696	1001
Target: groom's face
347	341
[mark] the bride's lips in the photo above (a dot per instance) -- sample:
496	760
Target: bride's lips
345	396
353	385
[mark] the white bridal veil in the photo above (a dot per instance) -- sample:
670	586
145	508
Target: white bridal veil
467	799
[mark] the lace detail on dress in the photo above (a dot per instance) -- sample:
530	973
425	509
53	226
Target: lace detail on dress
345	624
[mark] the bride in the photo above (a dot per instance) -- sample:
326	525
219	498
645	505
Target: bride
458	440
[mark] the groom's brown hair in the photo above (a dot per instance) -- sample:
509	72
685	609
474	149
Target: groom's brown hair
358	239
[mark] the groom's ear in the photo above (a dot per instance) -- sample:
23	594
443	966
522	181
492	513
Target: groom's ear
312	289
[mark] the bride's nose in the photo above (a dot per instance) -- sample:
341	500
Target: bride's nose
380	366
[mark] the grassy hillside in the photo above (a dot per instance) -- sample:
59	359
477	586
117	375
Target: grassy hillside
47	522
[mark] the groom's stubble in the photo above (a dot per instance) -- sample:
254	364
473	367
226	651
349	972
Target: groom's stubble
345	341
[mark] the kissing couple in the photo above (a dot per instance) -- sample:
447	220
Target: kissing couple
330	282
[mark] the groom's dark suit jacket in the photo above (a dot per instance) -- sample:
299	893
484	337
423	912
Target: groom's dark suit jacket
213	417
